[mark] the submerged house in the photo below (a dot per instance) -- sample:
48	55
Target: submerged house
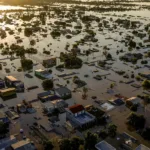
44	74
79	117
63	92
13	82
47	96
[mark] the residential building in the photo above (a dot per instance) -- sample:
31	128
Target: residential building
142	147
23	145
79	117
63	92
13	82
44	74
103	145
47	96
7	92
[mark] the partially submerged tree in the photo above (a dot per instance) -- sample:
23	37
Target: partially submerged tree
137	121
90	141
146	84
112	129
48	145
85	90
47	84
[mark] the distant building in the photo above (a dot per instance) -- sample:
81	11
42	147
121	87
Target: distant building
49	62
142	147
4	118
23	145
44	74
103	145
79	117
63	92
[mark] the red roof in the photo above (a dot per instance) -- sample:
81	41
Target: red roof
76	108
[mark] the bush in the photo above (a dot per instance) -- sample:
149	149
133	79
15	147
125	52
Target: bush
71	61
144	62
136	121
112	129
47	84
146	84
138	78
103	134
146	133
134	107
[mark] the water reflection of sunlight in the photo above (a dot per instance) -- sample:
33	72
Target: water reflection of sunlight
3	27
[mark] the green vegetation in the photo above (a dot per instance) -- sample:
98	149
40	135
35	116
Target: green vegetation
71	61
146	84
136	121
55	34
132	44
28	32
47	84
26	64
1	67
48	145
71	144
103	134
146	133
84	95
112	85
112	129
90	141
138	78
144	62
98	113
134	107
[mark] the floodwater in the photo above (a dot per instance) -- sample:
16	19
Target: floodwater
109	38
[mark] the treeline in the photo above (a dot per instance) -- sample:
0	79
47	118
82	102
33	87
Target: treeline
92	2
